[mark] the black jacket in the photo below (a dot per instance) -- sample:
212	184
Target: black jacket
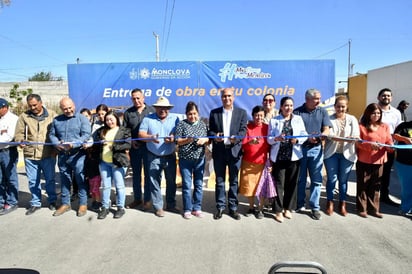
121	146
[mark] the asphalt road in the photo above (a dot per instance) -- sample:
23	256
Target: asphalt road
139	242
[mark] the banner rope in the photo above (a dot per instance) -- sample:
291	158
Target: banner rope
345	139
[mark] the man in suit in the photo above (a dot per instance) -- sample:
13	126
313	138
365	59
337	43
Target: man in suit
227	127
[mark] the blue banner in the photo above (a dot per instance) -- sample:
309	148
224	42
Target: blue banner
201	82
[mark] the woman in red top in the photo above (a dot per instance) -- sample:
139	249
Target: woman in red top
255	152
371	157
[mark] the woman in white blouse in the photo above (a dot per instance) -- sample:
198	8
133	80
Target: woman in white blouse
286	135
340	155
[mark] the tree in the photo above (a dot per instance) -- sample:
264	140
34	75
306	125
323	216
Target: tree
45	76
16	99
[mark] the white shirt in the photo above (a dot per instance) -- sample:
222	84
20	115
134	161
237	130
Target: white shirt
392	117
227	118
7	128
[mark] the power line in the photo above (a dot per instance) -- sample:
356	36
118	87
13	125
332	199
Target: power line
164	22
168	32
30	48
333	50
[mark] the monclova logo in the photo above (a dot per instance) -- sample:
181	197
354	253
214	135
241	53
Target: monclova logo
157	73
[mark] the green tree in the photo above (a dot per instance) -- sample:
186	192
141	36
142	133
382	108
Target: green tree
16	99
45	76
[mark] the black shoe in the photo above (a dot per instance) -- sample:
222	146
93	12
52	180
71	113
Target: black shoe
52	206
173	209
389	202
259	215
234	214
103	213
316	215
218	215
251	211
32	209
96	206
119	213
7	209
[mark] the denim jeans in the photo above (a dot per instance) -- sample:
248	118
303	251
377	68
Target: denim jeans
405	179
187	168
219	164
34	169
110	172
311	161
69	165
9	183
157	165
337	169
138	158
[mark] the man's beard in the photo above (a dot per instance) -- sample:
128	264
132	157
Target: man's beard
384	102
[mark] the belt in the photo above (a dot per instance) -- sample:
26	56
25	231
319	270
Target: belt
162	156
71	151
310	145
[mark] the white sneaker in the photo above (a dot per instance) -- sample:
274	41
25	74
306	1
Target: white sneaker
300	209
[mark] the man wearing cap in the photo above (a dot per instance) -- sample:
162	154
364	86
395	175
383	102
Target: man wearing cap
68	132
133	117
9	184
33	127
228	125
157	130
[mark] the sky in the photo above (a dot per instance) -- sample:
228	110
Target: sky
46	35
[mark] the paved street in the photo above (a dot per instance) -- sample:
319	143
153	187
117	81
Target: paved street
139	242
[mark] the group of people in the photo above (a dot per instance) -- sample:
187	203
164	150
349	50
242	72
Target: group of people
292	144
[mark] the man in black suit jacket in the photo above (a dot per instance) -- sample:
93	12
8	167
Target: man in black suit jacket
227	126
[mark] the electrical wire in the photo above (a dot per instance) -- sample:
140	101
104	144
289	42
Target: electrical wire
168	31
333	50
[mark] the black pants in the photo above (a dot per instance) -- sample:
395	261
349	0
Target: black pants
286	175
386	176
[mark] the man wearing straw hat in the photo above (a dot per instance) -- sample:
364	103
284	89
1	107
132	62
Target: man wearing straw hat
157	130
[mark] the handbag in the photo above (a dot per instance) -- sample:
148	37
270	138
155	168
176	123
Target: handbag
266	188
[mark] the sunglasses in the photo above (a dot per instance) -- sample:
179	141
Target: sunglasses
268	100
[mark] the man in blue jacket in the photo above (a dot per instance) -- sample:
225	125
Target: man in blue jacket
68	132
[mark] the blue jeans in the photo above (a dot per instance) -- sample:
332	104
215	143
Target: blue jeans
187	168
69	165
110	172
311	161
34	169
337	169
9	183
405	179
138	158
219	164
157	165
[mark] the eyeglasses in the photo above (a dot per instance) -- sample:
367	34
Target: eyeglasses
268	101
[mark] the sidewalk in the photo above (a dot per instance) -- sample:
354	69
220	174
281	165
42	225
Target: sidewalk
139	242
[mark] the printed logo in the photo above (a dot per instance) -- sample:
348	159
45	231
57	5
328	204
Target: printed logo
233	71
133	74
144	73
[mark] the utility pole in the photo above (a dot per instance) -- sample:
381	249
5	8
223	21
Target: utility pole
157	46
349	64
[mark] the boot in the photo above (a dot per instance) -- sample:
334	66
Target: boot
342	208
329	208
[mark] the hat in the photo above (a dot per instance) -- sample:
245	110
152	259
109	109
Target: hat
162	102
3	103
